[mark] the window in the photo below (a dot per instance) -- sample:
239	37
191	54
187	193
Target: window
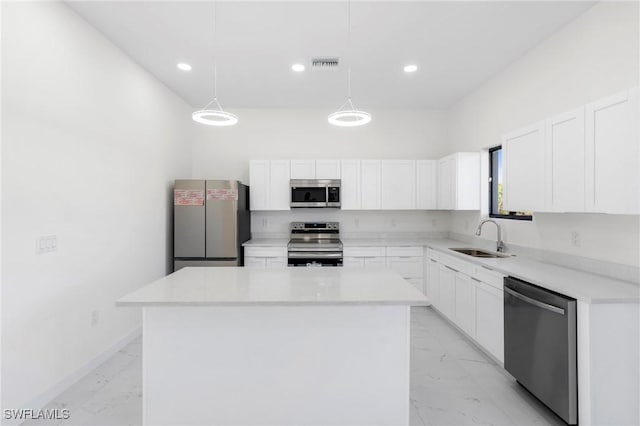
495	189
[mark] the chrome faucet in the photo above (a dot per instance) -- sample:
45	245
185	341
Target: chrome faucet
499	243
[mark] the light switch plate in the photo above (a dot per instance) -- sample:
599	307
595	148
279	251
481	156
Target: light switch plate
46	244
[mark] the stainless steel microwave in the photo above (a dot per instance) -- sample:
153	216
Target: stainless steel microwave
315	193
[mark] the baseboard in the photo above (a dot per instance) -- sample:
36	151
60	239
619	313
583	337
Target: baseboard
50	394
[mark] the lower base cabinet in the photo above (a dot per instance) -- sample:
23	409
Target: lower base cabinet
490	319
447	291
465	309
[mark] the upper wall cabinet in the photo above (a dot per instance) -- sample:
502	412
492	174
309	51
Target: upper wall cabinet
398	184
315	169
459	181
523	168
370	177
564	177
426	184
303	169
269	184
350	185
613	154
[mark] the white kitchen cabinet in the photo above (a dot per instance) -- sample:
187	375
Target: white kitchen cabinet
370	184
459	181
417	283
259	184
265	257
447	291
564	162
303	169
523	169
375	261
490	319
398	184
426	184
352	262
279	185
465	304
432	288
269	184
613	154
350	185
328	169
407	267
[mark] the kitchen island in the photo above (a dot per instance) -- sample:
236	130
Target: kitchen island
292	346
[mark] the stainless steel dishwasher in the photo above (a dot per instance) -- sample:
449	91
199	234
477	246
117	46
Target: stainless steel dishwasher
540	345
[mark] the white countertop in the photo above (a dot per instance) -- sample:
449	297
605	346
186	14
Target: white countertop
583	286
266	242
235	286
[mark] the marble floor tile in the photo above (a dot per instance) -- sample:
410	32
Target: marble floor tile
452	383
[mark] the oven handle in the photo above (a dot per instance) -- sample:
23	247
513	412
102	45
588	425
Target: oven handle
534	302
314	255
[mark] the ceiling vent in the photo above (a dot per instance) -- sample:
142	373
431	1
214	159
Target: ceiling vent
325	64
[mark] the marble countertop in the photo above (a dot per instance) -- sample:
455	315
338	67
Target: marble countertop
583	286
237	286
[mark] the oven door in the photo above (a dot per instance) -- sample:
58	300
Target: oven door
319	258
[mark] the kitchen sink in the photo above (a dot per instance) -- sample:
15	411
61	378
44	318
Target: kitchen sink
475	252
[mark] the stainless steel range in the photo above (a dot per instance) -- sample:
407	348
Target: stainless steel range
315	244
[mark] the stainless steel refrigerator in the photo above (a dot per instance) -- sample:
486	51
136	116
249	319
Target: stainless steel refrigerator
211	220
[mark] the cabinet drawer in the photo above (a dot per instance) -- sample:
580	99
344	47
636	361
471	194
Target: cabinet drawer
433	254
363	251
255	262
265	251
489	276
276	262
353	262
458	265
407	267
405	251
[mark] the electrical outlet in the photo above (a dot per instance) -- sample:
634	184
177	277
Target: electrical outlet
46	244
434	223
95	318
264	223
393	222
575	238
356	222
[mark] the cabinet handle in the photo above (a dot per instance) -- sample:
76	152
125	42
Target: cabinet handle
475	279
433	261
449	267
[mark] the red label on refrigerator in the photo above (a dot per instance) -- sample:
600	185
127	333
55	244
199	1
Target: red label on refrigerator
222	194
188	197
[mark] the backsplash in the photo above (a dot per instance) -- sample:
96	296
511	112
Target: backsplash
353	223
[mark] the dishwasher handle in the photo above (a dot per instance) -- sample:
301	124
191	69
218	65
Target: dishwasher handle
534	301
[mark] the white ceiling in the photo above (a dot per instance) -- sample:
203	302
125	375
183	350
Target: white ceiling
457	46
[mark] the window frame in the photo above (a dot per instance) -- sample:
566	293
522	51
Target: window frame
494	182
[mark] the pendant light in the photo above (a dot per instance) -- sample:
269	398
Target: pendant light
214	116
348	115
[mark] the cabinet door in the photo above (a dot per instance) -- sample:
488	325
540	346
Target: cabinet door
523	168
303	169
490	319
433	282
398	184
466	182
276	262
259	184
350	185
465	311
352	262
378	261
564	162
279	186
447	290
327	169
446	194
407	267
255	262
612	155
426	172
370	184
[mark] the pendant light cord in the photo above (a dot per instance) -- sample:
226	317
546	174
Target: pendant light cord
215	41
349	49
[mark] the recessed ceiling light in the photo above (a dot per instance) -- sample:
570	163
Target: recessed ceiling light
184	67
410	68
297	67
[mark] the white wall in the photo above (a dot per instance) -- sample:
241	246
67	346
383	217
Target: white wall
91	144
592	57
305	133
